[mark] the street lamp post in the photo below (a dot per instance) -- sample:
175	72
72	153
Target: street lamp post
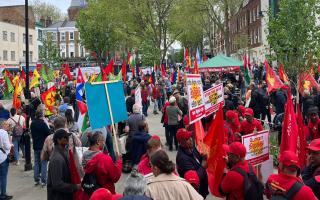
28	165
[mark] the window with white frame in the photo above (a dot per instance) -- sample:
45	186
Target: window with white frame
13	55
4	35
71	36
30	56
254	15
24	38
63	36
54	36
30	39
12	37
5	55
258	12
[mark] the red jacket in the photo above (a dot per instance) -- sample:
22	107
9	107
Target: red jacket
314	130
165	118
233	182
228	133
285	182
248	128
144	95
156	92
106	171
144	167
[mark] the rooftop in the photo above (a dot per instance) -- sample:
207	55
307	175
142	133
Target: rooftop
63	24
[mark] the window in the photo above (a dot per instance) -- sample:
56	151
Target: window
30	56
13	55
258	35
39	35
254	15
63	36
4	35
24	38
71	36
5	55
54	36
12	37
71	54
63	54
30	39
258	12
250	18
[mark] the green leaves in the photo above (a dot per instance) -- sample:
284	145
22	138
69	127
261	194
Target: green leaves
49	53
294	35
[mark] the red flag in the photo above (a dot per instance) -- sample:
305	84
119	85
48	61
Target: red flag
48	97
248	63
319	68
302	142
283	76
216	163
245	62
199	135
67	72
110	67
163	70
306	82
204	57
196	67
74	176
272	79
124	71
104	74
187	59
23	75
289	137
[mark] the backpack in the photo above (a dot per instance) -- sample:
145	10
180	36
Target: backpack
289	194
89	183
17	130
253	189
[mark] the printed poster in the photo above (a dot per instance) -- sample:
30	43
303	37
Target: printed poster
213	98
195	97
257	146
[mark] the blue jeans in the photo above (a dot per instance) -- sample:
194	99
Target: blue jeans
145	109
4	166
40	168
16	143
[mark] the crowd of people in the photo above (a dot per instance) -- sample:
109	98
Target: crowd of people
57	139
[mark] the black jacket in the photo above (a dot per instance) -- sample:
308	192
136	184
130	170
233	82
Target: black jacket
39	132
59	178
192	161
308	177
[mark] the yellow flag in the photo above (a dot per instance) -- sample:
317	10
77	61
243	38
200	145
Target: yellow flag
14	80
18	88
35	80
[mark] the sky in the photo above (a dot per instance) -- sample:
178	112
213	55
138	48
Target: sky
63	5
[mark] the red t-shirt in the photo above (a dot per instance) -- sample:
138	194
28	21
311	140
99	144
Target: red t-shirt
248	128
233	182
284	182
144	167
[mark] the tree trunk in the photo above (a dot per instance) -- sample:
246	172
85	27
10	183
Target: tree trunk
227	29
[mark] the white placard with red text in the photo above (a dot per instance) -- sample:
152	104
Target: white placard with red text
195	97
213	98
257	146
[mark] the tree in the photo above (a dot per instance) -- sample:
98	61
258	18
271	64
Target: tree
49	53
98	28
44	10
294	34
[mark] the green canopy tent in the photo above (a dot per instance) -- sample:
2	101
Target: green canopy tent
220	63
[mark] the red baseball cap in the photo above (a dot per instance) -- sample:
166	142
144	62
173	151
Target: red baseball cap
183	134
248	111
155	137
192	177
242	109
230	114
103	193
289	158
238	149
314	145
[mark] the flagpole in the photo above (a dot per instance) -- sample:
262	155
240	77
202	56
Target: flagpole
111	117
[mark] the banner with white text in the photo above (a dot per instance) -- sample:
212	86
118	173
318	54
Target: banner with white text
213	98
195	97
257	146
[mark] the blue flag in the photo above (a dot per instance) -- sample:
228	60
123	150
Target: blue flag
98	109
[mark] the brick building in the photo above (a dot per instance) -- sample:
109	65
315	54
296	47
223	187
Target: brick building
248	32
12	36
67	35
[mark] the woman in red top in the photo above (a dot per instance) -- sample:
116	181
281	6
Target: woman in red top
107	172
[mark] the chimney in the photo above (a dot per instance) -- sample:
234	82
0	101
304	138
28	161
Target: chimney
48	21
43	21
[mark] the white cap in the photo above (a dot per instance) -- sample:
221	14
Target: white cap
172	99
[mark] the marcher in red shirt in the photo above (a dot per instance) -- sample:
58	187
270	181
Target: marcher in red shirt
313	124
249	125
153	145
232	184
232	121
279	184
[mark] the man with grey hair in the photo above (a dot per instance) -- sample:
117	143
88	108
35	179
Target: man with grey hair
5	147
135	187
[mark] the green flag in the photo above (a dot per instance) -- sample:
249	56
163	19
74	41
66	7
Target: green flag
6	94
50	74
99	78
10	87
85	123
246	74
44	74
